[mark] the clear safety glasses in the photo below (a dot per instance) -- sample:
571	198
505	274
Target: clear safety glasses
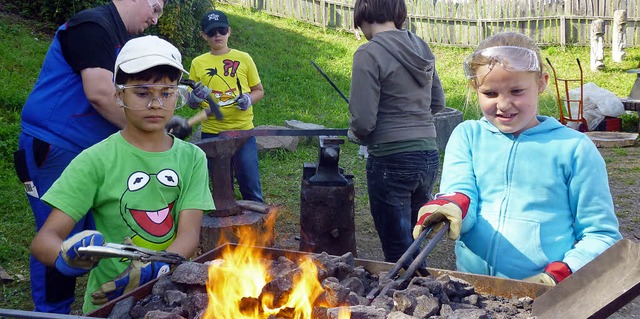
156	7
509	58
170	97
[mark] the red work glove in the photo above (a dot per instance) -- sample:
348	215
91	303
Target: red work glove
554	273
451	206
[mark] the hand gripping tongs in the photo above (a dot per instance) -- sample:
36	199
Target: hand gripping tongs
111	250
391	279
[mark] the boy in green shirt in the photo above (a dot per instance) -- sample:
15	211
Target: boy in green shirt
143	185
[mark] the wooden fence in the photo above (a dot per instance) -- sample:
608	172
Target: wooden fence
467	22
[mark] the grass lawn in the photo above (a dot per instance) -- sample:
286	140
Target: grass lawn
294	90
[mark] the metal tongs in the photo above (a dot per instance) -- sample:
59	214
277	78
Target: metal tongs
391	279
111	250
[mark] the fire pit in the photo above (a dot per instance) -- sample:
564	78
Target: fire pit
327	283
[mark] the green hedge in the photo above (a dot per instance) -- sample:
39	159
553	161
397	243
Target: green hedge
180	23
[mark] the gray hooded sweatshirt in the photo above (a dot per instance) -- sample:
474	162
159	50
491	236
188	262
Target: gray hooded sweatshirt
395	89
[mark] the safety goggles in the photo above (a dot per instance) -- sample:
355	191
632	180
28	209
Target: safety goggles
221	31
170	97
156	7
510	58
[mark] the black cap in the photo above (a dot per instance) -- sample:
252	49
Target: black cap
214	19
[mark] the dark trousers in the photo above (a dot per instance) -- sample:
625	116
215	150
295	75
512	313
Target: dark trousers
399	184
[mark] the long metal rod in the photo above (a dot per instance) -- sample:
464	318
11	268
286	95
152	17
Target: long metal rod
330	82
12	313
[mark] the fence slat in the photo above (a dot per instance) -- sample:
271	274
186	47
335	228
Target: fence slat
467	22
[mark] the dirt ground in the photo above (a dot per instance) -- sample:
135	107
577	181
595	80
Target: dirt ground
623	165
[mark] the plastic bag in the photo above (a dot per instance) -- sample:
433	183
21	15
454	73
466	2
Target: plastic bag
598	103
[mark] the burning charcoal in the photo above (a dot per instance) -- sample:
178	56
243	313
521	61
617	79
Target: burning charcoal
249	305
285	313
342	270
195	303
191	273
471	300
163	284
435	287
404	301
456	288
158	314
354	299
149	303
122	308
525	303
173	298
330	264
458	305
282	266
334	293
446	311
426	306
468	314
279	290
359	312
398	315
384	302
354	284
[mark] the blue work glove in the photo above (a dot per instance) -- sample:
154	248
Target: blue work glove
179	127
137	274
70	262
198	95
244	102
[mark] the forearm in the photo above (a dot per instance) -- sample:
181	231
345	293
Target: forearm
100	91
45	247
257	93
188	237
48	240
109	110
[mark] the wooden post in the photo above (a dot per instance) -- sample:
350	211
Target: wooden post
597	45
619	39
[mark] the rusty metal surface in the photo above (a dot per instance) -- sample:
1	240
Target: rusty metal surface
483	284
219	151
598	289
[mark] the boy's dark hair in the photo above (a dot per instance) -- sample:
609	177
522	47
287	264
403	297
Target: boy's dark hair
379	11
153	74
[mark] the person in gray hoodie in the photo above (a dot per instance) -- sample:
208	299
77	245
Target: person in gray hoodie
395	93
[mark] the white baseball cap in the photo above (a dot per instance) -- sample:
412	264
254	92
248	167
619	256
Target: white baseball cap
145	52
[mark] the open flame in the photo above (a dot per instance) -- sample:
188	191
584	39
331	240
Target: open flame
237	282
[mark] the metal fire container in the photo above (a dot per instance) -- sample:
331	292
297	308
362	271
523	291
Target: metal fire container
483	284
327	205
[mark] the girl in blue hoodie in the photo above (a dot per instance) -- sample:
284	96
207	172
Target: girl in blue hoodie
527	197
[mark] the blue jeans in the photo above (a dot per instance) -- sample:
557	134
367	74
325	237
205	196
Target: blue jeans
51	291
244	165
399	184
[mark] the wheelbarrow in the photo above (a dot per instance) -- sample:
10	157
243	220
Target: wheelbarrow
568	115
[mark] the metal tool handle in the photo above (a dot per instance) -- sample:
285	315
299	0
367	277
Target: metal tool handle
213	106
389	281
425	251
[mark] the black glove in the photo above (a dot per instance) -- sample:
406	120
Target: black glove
179	127
198	95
